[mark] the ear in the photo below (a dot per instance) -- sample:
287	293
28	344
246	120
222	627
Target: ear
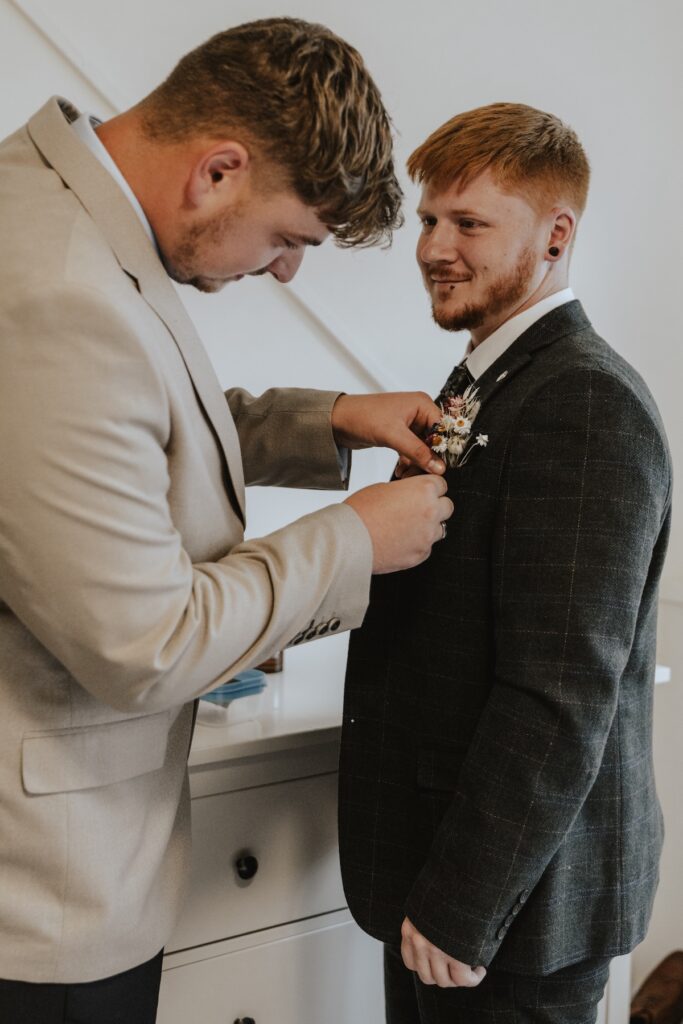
561	233
218	175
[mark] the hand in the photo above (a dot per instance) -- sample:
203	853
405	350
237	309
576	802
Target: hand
433	966
394	420
403	519
405	469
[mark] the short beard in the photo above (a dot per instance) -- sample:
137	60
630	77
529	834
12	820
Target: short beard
505	293
181	264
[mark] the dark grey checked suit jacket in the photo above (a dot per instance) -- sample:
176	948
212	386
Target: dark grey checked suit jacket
496	770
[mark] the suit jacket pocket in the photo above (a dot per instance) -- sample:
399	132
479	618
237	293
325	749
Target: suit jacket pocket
86	757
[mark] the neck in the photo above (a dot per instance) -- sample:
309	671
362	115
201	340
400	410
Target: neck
151	174
555	280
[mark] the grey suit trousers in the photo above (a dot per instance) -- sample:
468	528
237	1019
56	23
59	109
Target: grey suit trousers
569	996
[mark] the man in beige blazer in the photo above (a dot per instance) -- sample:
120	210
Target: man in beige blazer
126	586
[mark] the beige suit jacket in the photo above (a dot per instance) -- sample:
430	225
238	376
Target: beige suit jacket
126	586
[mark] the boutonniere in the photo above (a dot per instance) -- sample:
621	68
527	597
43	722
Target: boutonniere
451	436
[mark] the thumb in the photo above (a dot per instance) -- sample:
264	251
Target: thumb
414	452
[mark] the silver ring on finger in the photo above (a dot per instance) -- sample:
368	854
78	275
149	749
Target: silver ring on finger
443	531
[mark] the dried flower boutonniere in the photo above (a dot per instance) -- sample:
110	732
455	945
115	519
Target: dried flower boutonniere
451	437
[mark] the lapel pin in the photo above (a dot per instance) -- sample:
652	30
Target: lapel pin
502	376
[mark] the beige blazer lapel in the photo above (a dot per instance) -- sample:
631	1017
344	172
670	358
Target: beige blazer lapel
110	209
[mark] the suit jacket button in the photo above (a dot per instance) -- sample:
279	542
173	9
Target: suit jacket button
335	624
323	629
515	910
312	634
523	896
501	933
509	920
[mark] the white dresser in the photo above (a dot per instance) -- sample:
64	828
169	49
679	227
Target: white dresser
265	937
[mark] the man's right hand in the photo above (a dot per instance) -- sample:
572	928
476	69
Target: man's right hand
403	519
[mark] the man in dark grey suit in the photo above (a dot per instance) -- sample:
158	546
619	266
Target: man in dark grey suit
500	829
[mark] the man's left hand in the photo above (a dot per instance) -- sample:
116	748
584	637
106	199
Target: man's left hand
433	966
394	420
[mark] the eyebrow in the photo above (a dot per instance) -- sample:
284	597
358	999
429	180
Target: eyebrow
452	213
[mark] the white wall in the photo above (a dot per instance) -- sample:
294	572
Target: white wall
611	68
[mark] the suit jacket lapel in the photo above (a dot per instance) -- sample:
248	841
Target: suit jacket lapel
108	206
552	327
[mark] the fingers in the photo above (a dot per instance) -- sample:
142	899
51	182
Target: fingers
408	954
432	965
416	958
426	411
414	452
440	965
445	509
406	471
424	968
465	976
437	482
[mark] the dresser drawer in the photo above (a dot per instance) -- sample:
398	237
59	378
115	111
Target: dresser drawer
285	836
329	976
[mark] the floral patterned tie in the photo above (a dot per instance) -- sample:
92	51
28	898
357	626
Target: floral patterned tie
459	379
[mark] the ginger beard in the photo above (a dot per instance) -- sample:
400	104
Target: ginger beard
504	294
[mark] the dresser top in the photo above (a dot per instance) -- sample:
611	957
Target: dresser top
301	706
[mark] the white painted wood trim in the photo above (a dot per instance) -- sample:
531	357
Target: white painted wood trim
363	363
619	990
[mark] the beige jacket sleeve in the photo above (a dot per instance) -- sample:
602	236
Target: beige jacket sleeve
286	438
91	560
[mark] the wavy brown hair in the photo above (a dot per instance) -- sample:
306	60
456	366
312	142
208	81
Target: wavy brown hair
302	98
527	151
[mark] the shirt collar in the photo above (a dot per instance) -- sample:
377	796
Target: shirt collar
84	126
484	355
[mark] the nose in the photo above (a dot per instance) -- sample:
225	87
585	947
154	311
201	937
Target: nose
286	265
438	246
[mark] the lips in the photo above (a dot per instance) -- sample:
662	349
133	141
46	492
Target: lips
449	280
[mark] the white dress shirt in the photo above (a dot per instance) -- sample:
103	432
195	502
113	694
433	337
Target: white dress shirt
84	126
485	354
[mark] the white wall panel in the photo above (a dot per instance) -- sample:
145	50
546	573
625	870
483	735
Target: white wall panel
31	69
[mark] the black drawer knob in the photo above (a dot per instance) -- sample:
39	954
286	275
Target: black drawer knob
245	1020
246	868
